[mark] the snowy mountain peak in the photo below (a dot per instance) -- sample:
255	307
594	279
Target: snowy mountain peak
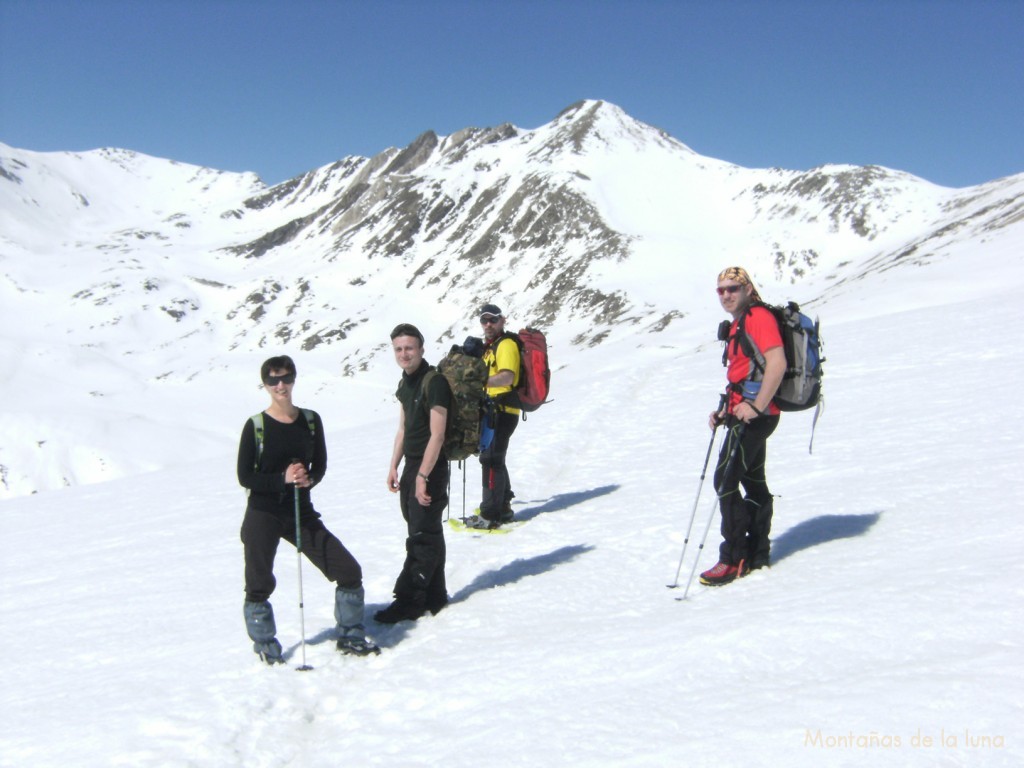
596	227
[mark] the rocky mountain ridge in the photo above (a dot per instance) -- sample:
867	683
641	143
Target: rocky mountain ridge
595	227
534	216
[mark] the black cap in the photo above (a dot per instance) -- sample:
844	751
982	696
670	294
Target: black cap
490	309
407	329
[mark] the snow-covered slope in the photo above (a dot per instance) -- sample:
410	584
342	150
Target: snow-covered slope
884	635
127	279
888	619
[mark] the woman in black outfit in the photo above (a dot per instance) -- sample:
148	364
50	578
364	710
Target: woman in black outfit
281	449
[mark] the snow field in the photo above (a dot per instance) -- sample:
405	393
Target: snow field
889	613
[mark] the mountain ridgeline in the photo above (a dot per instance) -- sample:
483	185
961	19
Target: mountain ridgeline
595	227
546	219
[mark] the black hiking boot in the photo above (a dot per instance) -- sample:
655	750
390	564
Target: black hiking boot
398	611
437	604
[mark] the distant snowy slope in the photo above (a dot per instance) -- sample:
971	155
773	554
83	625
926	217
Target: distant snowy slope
167	284
59	200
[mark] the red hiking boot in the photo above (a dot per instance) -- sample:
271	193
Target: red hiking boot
723	573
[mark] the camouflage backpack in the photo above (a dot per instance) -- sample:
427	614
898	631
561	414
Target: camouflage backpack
467	377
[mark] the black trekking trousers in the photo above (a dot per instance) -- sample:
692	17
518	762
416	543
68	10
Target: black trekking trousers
261	533
746	516
497	487
422	581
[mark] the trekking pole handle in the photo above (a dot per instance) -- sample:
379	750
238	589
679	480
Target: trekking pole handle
719	414
723	400
302	464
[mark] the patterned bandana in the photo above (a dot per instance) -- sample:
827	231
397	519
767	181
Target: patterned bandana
740	275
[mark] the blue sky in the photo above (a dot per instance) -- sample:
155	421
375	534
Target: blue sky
933	87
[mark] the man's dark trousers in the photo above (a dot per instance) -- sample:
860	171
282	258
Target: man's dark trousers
497	488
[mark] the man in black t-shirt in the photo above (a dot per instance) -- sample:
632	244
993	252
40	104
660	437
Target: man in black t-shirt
422	486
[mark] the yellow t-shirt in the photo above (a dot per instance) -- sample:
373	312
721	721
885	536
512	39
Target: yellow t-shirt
504	356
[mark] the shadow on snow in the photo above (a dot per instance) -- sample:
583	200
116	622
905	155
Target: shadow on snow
810	533
510	573
820	530
389	636
561	501
520	569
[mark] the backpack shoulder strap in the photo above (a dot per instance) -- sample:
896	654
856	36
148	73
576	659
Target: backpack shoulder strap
257	425
514	337
520	375
747	343
310	420
424	383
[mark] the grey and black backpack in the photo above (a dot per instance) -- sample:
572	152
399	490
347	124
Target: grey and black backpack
801	385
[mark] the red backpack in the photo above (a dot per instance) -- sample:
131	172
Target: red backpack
534	371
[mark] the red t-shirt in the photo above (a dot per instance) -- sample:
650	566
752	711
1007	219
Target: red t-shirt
760	326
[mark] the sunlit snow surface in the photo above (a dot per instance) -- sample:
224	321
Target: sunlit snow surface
889	616
885	634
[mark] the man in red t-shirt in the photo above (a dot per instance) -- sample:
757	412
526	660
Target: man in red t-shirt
750	418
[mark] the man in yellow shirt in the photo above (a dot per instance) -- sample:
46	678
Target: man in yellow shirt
502	355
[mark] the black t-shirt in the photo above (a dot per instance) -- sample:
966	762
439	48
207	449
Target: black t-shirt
282	442
417	418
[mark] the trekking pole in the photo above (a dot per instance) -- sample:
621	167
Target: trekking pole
693	512
447	509
700	486
463	491
733	452
298	549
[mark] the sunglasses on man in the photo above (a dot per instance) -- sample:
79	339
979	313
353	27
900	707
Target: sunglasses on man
489	319
730	289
